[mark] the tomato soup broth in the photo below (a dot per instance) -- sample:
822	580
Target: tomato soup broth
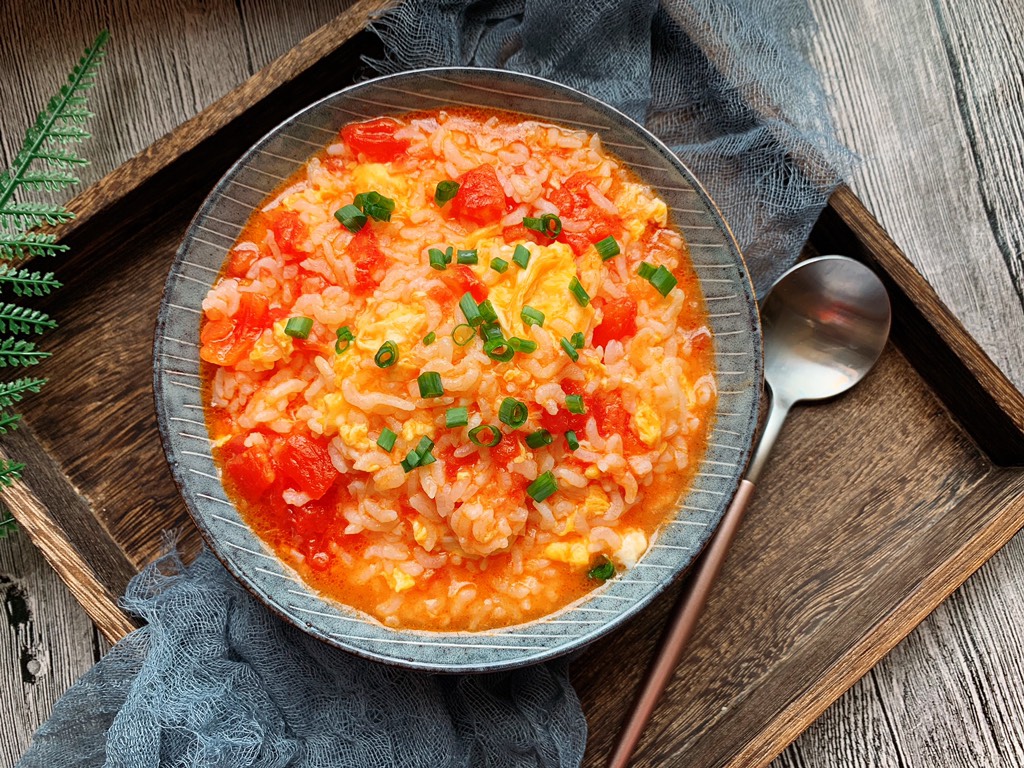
458	369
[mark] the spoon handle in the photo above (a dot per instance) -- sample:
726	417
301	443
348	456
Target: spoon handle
681	625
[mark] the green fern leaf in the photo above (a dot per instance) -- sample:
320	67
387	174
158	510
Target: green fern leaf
10	471
29	244
18	352
29	215
48	180
60	158
9	421
26	283
12	392
8	525
17	319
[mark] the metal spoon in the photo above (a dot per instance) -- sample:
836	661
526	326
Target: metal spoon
825	324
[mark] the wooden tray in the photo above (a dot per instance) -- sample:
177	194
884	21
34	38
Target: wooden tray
873	509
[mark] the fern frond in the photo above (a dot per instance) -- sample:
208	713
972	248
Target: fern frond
15	246
8	524
60	158
12	392
24	320
26	283
8	422
10	471
29	215
18	352
51	128
48	180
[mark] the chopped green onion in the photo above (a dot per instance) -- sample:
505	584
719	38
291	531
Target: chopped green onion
607	248
575	404
470	309
570	350
345	339
548	224
467	257
522	345
492	438
499	349
521	255
487	311
427	458
387	439
577	340
542	487
646	270
425	446
429	339
571	440
437	260
663	280
462	334
430	384
539	439
532	316
411	461
603	571
579	292
513	412
499	265
387	355
445	191
490	331
298	327
456	417
351	218
374	204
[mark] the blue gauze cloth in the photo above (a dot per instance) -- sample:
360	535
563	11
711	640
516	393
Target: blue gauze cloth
214	679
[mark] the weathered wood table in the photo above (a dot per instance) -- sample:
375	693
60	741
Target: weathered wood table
929	94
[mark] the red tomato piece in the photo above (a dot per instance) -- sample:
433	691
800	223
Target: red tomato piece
619	321
506	450
481	198
575	205
227	341
368	257
252	472
375	139
467	281
613	419
307	465
517	233
240	260
564	419
290	235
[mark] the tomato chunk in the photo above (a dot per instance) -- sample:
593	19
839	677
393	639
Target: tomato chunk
226	341
619	321
481	198
564	419
517	233
290	235
613	419
252	471
506	450
575	205
375	139
307	465
467	281
240	260
368	258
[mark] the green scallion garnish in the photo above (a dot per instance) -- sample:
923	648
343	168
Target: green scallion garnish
646	270
607	248
427	458
375	205
456	417
548	224
462	334
445	191
571	440
513	412
570	350
466	257
298	327
351	218
429	339
425	446
411	461
663	280
499	265
521	255
532	316
437	260
579	292
490	331
430	384
470	309
542	487
387	355
345	339
575	404
499	349
387	439
485	435
487	311
577	340
539	439
522	345
603	571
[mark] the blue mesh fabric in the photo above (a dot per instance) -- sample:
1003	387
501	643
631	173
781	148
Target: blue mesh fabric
214	679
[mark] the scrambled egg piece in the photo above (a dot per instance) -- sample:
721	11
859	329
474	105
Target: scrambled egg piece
375	176
640	208
404	325
414	429
634	544
571	552
543	285
399	580
269	348
647	422
597	502
353	435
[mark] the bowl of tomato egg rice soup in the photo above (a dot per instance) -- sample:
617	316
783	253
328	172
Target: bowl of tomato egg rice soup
457	369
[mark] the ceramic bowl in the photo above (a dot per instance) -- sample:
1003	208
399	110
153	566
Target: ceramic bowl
733	318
